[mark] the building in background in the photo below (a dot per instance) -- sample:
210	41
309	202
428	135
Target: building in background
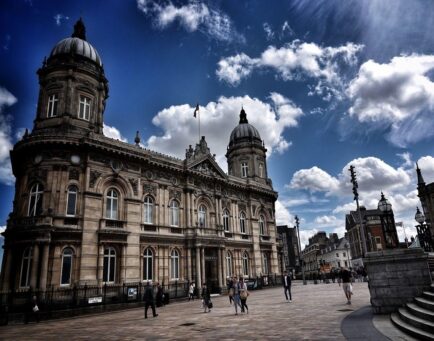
290	254
335	255
425	193
92	210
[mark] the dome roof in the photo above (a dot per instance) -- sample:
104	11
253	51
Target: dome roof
77	44
244	132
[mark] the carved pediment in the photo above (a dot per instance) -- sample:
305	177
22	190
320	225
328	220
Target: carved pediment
207	166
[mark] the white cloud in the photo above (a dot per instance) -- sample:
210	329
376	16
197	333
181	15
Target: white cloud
218	119
2	229
294	61
286	30
314	179
305	235
283	217
398	95
6	99
193	16
113	133
426	165
59	18
326	220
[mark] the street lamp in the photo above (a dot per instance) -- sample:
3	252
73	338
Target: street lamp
356	198
347	247
388	223
423	232
301	261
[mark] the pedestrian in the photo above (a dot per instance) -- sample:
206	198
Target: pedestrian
236	297
32	310
191	292
206	298
149	300
244	293
231	290
346	284
287	286
160	295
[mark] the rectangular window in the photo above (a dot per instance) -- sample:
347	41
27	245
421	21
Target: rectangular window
244	170
72	200
84	108
52	105
378	243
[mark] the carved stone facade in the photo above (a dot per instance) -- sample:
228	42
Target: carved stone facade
90	209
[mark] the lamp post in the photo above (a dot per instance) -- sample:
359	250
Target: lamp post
388	223
423	232
301	261
347	247
356	198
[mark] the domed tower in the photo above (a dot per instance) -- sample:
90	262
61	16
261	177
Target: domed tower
246	153
73	87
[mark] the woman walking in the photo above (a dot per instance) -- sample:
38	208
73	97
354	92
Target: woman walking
236	296
206	298
243	296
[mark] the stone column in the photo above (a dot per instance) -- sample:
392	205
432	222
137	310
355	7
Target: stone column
202	256
187	209
198	268
219	253
6	271
224	251
122	269
35	267
189	264
100	264
44	266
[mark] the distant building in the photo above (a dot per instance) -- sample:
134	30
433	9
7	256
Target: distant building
290	253
374	234
312	252
426	196
336	254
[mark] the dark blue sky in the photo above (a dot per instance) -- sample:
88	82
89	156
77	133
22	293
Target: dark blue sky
326	83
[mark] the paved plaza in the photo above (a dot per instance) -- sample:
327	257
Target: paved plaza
315	313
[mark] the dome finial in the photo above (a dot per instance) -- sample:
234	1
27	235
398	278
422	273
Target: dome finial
243	116
79	30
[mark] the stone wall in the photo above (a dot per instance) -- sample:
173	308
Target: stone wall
396	277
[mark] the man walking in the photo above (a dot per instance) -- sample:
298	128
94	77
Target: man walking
346	284
287	286
149	300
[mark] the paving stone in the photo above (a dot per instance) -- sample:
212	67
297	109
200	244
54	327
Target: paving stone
316	312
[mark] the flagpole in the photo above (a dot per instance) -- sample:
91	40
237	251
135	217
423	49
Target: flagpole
198	112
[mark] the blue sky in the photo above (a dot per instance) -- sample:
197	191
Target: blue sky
326	83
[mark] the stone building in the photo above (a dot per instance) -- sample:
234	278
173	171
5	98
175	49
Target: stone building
92	210
425	193
335	255
374	233
311	253
289	256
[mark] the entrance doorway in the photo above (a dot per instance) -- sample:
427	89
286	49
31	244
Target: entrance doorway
211	270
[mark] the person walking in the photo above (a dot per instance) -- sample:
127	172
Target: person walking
33	310
231	290
236	297
346	283
287	286
149	300
206	298
243	296
191	292
160	295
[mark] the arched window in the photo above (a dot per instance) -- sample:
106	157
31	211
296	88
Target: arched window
148	209
109	269
245	264
174	213
112	204
174	264
229	266
242	222
71	204
148	265
26	263
35	202
202	216
265	263
244	170
226	220
261	225
65	277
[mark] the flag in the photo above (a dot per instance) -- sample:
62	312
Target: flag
196	110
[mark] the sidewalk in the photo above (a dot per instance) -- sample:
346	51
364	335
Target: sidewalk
316	313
